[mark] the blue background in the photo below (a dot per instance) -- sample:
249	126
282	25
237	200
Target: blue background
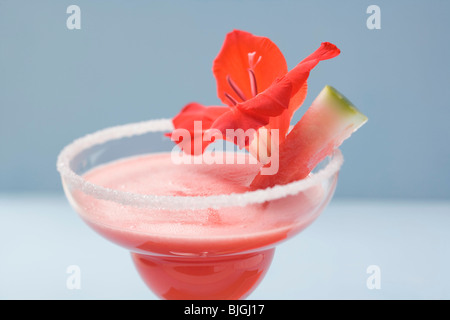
139	60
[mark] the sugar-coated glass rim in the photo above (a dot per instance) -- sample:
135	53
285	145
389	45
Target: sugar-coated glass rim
174	202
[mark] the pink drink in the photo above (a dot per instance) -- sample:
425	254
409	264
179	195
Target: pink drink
208	253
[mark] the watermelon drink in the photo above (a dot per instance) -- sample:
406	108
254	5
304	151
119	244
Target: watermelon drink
202	229
194	231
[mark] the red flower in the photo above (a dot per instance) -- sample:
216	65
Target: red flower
259	92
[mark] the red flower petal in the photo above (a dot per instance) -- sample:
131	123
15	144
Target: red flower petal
283	122
300	73
275	105
240	52
192	122
298	77
238	127
256	112
196	112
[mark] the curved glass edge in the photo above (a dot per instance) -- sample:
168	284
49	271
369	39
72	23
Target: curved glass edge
73	180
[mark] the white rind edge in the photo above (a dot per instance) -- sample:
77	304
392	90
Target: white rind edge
174	202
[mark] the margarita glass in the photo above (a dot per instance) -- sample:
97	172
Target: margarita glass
185	246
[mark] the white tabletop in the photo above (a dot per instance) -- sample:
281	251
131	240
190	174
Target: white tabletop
404	244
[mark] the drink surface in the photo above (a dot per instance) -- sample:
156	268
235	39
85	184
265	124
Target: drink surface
159	174
201	232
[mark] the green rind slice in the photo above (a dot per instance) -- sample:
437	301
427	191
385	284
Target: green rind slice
329	121
332	98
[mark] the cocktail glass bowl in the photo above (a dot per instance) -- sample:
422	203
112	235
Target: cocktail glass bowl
190	247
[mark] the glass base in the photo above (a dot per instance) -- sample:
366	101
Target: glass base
230	277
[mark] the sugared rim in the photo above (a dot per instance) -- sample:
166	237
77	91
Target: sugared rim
174	202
